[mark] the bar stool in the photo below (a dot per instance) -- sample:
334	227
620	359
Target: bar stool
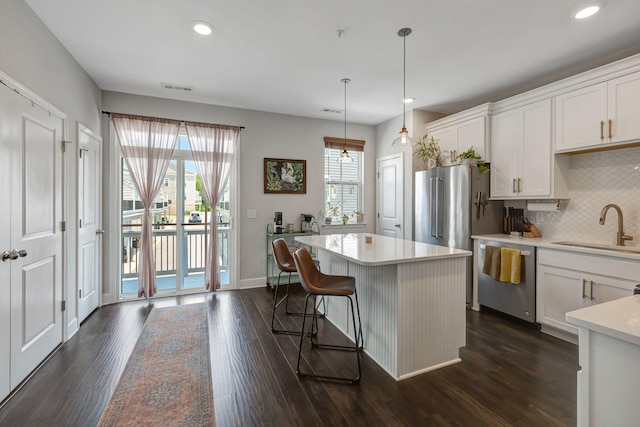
319	284
285	263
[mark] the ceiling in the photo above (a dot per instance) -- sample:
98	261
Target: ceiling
285	56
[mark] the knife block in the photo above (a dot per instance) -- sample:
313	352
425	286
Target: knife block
531	231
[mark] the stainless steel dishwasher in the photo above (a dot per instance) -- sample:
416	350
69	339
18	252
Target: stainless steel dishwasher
515	300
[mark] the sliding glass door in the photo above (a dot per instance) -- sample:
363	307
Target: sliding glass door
181	221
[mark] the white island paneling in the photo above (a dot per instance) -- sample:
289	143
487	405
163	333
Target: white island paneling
411	294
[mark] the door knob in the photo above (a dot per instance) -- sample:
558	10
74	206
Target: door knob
99	232
10	255
22	253
397	225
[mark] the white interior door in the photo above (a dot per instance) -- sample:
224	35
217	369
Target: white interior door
6	172
35	155
89	223
390	201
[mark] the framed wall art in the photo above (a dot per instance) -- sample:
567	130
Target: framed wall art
285	176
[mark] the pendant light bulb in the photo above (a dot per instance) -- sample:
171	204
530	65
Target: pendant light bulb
404	139
344	157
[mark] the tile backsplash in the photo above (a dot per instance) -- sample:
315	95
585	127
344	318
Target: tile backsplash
596	179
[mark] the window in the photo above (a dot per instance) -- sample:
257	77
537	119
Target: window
342	180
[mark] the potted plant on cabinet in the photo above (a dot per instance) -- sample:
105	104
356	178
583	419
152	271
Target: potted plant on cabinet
472	158
428	150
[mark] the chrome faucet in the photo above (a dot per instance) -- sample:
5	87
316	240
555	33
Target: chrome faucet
620	237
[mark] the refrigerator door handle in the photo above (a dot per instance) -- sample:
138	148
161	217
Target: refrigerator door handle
432	208
438	182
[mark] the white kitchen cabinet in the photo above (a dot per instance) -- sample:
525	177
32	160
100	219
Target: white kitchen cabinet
567	281
600	114
523	165
459	132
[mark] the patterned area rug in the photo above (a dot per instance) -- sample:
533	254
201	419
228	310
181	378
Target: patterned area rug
167	380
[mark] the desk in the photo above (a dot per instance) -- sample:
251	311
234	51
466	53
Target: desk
411	294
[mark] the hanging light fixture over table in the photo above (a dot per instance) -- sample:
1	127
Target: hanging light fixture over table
404	138
344	157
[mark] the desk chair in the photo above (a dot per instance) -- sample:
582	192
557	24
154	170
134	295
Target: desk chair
319	284
285	263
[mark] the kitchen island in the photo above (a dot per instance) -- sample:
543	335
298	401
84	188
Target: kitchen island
609	351
411	294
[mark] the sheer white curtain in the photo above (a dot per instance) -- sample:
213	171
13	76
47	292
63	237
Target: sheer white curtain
147	145
213	148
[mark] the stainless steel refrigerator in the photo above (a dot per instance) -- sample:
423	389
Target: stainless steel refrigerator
451	204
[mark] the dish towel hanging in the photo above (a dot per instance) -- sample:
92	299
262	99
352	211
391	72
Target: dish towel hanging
510	265
491	264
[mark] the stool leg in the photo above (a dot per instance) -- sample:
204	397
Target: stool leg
304	318
356	333
361	346
276	303
355	348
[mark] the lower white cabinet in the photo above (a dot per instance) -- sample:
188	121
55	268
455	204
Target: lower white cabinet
567	281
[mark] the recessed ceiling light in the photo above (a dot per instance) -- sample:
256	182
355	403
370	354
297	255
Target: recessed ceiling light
587	12
202	27
408	100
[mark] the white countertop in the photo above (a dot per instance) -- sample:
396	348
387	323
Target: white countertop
381	251
550	243
619	318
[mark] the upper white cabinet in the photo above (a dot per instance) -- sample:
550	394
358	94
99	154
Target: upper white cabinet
603	113
459	132
523	165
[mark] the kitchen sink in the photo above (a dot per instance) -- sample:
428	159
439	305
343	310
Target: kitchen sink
621	249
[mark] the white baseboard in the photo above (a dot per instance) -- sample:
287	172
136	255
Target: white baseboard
257	282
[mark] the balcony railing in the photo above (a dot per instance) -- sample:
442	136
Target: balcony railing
165	238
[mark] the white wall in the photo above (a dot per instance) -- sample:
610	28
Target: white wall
31	55
265	135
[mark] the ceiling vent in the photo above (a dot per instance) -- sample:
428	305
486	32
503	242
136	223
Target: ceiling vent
170	86
332	110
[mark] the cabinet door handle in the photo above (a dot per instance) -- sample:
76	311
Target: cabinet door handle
515	190
453	156
519	185
610	122
591	290
601	129
584	283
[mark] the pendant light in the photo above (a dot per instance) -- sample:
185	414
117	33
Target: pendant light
344	157
404	139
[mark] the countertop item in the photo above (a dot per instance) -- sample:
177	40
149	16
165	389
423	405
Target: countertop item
619	318
381	251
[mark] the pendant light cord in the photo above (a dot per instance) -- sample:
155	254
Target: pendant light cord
345	81
404	78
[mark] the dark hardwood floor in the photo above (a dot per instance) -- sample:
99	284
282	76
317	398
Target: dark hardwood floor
510	375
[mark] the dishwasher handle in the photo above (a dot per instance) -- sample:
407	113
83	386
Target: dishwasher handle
523	253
